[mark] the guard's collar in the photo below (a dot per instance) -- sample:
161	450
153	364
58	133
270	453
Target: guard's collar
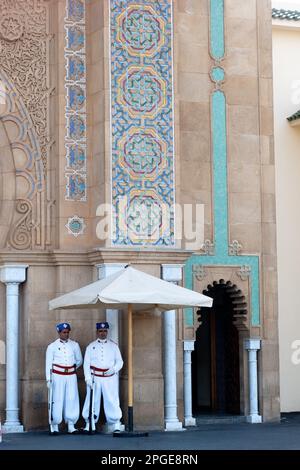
102	340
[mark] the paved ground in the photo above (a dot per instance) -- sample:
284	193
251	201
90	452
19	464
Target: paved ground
267	436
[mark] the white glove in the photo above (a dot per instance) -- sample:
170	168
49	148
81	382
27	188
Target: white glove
48	384
110	371
89	383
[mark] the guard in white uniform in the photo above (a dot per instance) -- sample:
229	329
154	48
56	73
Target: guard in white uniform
102	362
63	357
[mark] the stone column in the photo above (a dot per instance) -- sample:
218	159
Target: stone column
252	346
12	276
171	273
188	347
105	270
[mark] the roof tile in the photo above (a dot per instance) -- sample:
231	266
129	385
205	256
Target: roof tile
285	14
294	116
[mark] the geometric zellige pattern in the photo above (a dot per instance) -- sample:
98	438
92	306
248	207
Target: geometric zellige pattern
142	122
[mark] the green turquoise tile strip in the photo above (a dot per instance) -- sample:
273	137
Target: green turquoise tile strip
221	256
217	74
232	261
217	37
220	172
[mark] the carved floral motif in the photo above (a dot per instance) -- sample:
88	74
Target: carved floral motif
11	27
235	248
244	272
21	238
199	272
23	44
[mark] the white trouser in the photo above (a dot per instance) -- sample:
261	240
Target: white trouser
65	399
109	388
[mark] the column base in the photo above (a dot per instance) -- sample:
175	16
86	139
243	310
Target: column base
174	426
190	421
254	419
12	428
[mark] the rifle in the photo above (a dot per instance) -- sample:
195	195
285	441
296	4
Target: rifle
50	402
91	408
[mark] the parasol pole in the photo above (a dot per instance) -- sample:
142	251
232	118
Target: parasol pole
130	432
130	375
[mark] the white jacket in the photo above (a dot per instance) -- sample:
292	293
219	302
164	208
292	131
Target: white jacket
103	355
64	353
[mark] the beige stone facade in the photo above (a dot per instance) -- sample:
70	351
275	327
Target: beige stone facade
286	38
34	209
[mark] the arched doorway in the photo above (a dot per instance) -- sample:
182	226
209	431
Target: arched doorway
216	358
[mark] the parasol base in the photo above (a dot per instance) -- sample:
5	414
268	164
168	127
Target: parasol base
130	434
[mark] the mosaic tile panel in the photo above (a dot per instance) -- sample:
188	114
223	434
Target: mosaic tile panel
75	84
142	122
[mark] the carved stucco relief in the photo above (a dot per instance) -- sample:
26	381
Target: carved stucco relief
24	108
23	39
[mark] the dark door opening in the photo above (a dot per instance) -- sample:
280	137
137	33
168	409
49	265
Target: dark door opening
215	360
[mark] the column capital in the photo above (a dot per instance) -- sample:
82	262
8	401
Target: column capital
108	269
13	273
189	345
172	272
252	344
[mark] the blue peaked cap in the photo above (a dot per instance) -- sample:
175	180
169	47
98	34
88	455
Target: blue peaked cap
102	326
63	326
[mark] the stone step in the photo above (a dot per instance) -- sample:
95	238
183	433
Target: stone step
222	419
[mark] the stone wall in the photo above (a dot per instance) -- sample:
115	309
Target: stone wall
53	228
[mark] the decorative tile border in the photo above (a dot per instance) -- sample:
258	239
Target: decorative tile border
223	253
75	225
143	192
217	36
75	84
